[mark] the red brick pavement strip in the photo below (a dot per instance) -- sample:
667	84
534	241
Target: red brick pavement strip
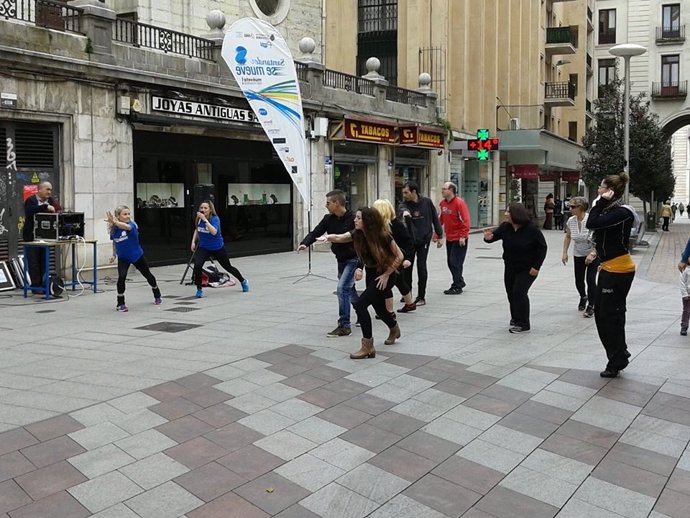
231	475
669	246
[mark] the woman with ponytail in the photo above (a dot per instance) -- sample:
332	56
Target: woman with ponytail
611	222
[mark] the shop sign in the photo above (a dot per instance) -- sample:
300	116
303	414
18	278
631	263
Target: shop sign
526	172
549	176
8	100
420	137
570	176
370	132
196	109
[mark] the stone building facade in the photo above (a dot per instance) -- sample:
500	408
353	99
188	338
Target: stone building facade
116	111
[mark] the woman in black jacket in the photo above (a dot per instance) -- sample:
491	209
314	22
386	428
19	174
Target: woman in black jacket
611	222
524	251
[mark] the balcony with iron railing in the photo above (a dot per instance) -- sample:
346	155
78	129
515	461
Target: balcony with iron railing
43	13
561	40
589	60
157	50
165	40
668	35
590	19
669	90
381	16
559	94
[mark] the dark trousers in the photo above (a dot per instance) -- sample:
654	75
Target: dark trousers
372	296
558	221
202	255
589	272
421	251
35	263
455	256
665	224
143	267
517	284
609	314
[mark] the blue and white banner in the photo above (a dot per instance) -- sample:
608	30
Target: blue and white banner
262	65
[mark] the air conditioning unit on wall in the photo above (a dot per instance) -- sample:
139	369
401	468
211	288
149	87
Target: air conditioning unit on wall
514	124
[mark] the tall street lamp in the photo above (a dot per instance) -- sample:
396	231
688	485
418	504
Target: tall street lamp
626	51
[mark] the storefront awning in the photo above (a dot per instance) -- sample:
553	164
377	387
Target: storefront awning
540	147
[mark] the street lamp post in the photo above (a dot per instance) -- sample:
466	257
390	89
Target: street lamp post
627	51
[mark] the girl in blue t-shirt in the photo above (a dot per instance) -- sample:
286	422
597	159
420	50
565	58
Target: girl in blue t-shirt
210	245
126	248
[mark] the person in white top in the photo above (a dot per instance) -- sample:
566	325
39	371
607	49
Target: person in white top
585	260
684	285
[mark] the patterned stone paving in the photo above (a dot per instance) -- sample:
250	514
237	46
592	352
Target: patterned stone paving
299	433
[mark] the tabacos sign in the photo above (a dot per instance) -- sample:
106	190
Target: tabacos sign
370	132
422	137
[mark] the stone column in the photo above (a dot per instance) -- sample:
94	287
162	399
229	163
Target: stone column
97	24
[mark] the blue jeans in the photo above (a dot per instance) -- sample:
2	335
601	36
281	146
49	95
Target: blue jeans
455	255
347	294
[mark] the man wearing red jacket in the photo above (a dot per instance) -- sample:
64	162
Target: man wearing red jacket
455	218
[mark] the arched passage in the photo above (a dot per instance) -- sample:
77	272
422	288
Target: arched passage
674	122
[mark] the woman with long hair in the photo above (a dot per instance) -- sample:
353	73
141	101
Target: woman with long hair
379	254
210	245
124	234
402	237
524	251
585	261
611	222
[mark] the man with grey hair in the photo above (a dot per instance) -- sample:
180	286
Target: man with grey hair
455	218
42	201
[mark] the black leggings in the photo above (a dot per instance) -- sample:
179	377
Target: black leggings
372	296
589	272
202	255
143	267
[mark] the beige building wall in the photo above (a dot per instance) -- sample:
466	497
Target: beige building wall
493	48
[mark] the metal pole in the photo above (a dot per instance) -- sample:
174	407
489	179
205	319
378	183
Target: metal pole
626	123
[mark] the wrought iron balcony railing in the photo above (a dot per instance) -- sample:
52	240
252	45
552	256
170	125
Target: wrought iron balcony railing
378	16
560	90
671	89
676	33
348	82
173	42
52	14
563	35
402	95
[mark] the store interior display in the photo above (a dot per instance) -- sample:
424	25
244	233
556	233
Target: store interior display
258	194
160	195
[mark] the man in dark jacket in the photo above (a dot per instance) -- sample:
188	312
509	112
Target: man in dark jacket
339	220
424	222
41	202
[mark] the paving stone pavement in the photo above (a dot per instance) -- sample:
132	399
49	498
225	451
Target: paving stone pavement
243	408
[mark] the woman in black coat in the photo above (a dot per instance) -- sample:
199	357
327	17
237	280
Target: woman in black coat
524	251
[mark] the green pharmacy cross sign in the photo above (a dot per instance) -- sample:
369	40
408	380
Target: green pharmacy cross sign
483	144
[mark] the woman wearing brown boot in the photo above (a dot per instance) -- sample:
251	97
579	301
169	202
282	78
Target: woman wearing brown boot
381	256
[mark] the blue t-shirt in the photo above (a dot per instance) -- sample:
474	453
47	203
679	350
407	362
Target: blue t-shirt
207	240
127	243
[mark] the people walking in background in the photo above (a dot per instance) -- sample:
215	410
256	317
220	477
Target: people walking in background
674	209
338	221
208	243
42	201
524	251
124	234
455	218
549	206
681	208
611	222
424	222
404	242
585	261
558	213
665	213
381	256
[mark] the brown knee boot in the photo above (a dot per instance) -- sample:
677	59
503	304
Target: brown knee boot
365	351
393	335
